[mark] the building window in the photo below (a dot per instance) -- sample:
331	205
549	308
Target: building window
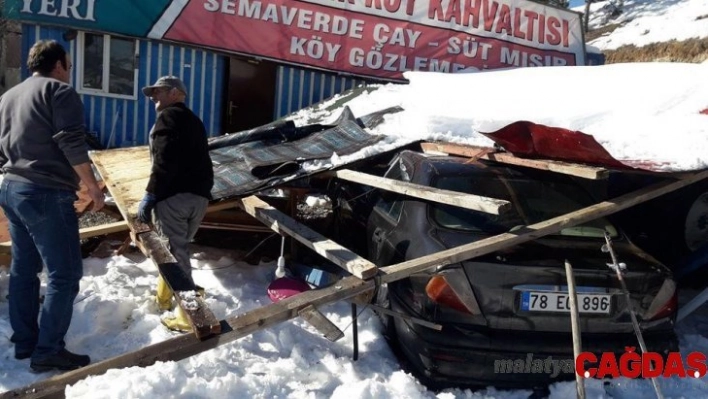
107	65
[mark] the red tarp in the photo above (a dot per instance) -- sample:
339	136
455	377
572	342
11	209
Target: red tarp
530	140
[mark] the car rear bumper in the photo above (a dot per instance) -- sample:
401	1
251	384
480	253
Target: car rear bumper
506	359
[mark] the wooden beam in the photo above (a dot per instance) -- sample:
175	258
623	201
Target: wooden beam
103	229
115	227
584	171
86	232
284	224
186	345
464	200
221	205
126	172
321	323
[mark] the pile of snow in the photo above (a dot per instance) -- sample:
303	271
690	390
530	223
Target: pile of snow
639	112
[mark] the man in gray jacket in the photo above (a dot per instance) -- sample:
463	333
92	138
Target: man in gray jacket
43	155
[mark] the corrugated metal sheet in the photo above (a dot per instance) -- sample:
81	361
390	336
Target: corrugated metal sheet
298	88
125	122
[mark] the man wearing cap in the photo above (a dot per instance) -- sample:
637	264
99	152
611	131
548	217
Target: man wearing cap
181	179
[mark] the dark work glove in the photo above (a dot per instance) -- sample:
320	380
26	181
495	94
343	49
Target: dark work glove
147	204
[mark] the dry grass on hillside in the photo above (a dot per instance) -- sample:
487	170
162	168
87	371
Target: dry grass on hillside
691	50
595	33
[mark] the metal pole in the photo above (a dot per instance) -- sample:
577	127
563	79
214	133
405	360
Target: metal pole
688	308
575	325
637	331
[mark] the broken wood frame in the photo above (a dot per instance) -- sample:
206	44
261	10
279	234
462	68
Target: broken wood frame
584	171
86	232
244	324
126	172
464	200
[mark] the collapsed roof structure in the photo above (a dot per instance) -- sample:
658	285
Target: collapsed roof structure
284	152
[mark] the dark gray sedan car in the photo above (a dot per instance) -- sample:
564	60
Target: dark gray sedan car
505	316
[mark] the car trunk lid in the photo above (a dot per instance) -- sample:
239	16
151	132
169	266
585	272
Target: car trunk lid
525	287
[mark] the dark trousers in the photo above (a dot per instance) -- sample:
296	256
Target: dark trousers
177	218
45	231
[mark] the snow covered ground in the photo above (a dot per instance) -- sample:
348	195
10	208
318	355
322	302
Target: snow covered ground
115	311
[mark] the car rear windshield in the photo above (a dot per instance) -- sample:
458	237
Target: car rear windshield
533	200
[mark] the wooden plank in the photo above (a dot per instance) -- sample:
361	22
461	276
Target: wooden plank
103	229
202	319
584	171
283	224
317	320
240	326
186	345
86	232
126	172
534	231
80	206
225	204
464	200
115	227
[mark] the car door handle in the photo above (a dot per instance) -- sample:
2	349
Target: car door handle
378	235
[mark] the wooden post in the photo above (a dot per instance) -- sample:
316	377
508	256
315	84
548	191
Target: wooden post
575	325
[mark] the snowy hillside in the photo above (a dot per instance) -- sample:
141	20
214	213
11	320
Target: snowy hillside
641	22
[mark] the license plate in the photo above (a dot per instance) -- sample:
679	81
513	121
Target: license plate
560	302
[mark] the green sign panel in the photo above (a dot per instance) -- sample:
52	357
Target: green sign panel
131	18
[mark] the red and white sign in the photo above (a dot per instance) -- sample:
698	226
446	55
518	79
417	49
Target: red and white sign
381	38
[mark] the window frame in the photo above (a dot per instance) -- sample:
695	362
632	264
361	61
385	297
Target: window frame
81	40
392	208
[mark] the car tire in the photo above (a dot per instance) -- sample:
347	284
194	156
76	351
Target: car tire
671	227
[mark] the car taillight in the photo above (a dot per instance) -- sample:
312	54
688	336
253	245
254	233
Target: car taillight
450	288
440	292
669	307
665	302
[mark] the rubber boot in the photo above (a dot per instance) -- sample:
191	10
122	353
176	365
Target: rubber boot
201	291
164	294
178	322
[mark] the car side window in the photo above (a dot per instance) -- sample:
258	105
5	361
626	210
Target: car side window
390	204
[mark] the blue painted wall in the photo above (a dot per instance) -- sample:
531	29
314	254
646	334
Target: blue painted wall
298	88
125	122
